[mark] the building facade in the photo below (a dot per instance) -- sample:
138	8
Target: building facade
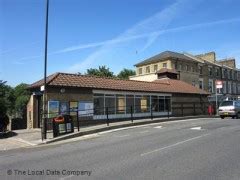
201	71
99	98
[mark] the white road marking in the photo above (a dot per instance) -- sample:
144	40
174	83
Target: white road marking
90	136
196	128
176	144
114	130
158	127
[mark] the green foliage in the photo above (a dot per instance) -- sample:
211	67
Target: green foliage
102	71
22	96
13	101
125	73
6	98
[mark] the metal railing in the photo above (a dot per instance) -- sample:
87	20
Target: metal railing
106	114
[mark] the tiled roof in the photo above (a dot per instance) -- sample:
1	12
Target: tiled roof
164	55
83	81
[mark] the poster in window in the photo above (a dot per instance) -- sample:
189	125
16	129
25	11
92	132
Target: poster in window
64	108
53	108
73	108
85	108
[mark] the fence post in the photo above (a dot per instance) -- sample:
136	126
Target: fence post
78	124
107	116
45	128
54	128
204	110
132	114
168	112
151	112
182	108
194	109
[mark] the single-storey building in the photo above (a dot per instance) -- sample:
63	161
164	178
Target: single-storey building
93	96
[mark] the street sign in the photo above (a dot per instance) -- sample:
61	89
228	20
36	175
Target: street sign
219	84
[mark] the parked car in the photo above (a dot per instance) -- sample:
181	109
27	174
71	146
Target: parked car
229	109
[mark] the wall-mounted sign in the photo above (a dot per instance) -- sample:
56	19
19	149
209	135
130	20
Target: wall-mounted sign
219	84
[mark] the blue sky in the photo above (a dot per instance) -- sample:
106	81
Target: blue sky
89	33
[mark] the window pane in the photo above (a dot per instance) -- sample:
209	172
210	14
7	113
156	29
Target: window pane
161	103
167	104
155	106
110	104
145	104
129	103
137	104
121	104
98	105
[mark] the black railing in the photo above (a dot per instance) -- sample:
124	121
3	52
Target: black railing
104	115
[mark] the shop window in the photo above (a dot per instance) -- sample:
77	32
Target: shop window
138	104
121	104
110	103
155	106
145	104
98	104
167	103
161	104
129	103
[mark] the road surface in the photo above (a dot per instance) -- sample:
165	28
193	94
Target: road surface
184	150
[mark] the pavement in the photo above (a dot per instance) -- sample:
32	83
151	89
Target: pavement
32	137
203	148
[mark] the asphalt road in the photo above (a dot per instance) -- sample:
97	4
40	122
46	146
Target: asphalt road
194	149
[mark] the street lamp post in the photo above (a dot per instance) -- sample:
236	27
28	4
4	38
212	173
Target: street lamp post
44	134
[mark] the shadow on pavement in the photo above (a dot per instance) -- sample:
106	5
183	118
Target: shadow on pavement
7	134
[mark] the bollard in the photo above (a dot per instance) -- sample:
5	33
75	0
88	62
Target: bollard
168	112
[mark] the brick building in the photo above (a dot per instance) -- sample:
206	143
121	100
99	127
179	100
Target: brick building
92	95
201	71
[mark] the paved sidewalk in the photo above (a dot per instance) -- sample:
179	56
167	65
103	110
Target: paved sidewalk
32	137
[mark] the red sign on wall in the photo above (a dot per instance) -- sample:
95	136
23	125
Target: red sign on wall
219	84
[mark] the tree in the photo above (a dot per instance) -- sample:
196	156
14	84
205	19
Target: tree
102	71
6	98
125	73
22	96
